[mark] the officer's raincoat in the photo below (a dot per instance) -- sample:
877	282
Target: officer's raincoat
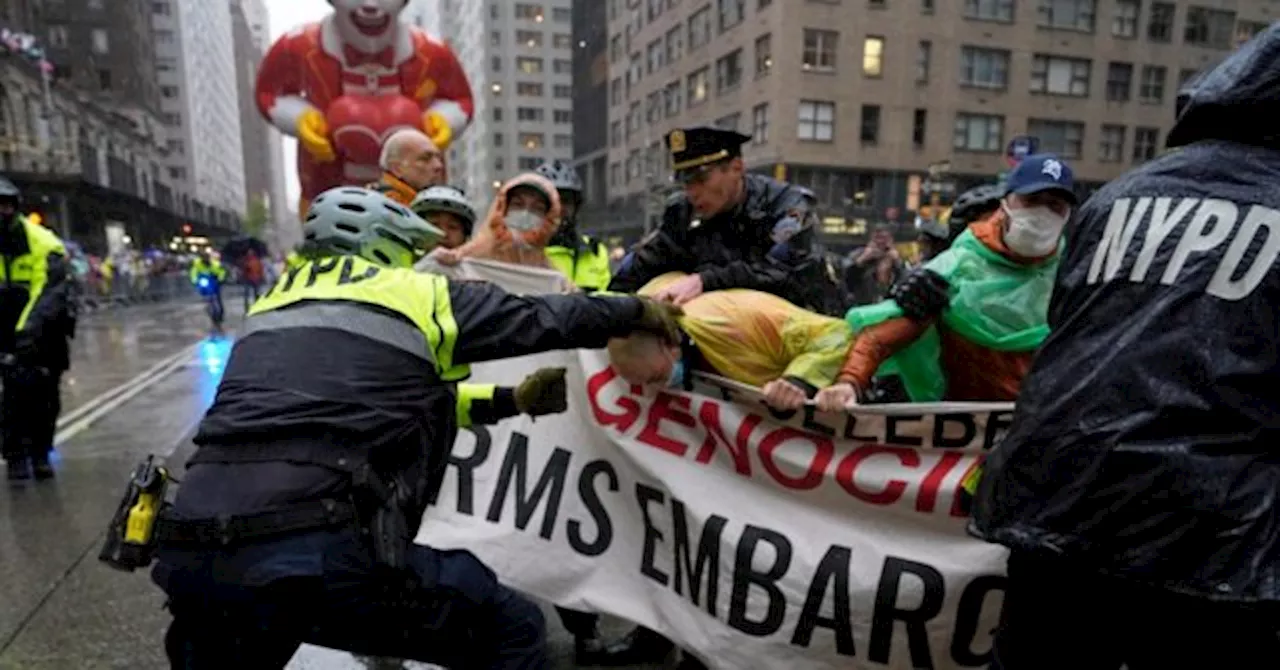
729	250
753	337
37	314
1145	439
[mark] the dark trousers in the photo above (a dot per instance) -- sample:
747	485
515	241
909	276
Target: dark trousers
250	294
457	615
1059	617
579	624
30	406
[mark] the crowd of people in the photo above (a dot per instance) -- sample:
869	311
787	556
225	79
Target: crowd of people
1135	488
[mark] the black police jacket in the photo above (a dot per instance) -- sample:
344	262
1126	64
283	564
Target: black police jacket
288	398
1146	440
729	250
36	325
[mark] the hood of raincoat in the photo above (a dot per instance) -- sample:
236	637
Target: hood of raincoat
1237	101
539	237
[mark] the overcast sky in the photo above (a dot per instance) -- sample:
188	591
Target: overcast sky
285	16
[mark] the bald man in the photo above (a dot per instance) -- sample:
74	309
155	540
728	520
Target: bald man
410	162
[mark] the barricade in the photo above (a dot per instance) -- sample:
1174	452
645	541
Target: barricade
97	293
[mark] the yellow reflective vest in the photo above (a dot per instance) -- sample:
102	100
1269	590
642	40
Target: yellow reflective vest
589	271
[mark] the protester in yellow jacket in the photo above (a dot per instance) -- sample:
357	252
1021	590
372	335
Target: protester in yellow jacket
751	337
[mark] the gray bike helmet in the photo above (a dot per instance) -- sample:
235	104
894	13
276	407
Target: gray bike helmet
562	175
368	224
445	199
8	190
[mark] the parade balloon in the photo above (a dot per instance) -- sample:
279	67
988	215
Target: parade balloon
361	123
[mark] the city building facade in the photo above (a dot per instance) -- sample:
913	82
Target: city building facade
873	103
195	64
591	106
518	57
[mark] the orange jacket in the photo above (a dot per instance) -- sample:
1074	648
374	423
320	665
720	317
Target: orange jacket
494	241
974	373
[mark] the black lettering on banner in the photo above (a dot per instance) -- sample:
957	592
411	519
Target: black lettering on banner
811	422
706	561
591	500
652	536
515	466
745	576
466	467
887	611
348	266
997	424
851	430
968	430
968	614
833	568
891	435
321	266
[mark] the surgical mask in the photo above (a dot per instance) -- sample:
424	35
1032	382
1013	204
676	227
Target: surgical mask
1033	231
522	221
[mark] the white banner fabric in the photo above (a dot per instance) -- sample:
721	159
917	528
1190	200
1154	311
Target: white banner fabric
753	538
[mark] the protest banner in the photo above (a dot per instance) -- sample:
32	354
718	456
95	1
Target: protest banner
750	537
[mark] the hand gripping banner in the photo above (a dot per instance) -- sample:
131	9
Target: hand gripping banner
753	538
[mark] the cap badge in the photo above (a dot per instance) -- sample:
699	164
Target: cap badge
677	141
1052	168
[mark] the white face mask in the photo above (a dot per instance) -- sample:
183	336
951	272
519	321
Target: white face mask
1033	231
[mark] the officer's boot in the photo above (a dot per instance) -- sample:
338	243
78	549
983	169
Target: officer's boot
41	468
17	469
638	647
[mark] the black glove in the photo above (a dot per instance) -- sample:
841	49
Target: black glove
659	318
543	392
923	294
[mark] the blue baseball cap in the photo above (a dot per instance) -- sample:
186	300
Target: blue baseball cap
1042	172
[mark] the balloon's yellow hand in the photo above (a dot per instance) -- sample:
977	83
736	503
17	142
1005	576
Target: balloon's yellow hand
313	136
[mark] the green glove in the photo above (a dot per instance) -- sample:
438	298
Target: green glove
659	318
543	392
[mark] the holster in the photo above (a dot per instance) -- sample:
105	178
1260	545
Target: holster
387	526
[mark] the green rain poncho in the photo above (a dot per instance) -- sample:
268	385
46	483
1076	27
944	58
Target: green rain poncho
995	303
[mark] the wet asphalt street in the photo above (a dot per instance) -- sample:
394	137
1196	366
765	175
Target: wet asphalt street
140	379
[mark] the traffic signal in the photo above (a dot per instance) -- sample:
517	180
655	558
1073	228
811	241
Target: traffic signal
186	229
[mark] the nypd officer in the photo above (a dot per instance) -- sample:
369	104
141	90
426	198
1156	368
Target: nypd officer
584	260
37	318
719	229
330	434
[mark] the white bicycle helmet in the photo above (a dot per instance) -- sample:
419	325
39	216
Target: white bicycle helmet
445	199
368	224
562	175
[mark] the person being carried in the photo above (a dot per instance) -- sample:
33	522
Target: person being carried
520	224
966	325
751	337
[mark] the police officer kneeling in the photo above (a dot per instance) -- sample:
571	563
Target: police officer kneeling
328	438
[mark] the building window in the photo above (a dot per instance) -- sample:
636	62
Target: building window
1119	81
561	14
924	55
760	123
653	107
700	27
615	134
529	162
104	80
989	10
1065	138
498	139
499	164
177	173
728	122
495	63
531	140
729	71
873	56
529	12
615	174
100	43
919	126
169	91
562	91
876	4
495	10
819	50
562	41
1060	76
869	128
529	38
926	6
529	65
530	113
495	38
1144	144
1152	87
1111	148
529	88
562	116
697	87
979	132
1125	21
497	114
654	9
1214	28
615	49
1067	14
166	65
762	4
615	92
160	8
731	13
764	55
984	68
1185	76
675	44
672	98
1160	25
562	66
654	53
1246	30
817	121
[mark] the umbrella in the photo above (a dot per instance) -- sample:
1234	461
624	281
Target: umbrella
236	249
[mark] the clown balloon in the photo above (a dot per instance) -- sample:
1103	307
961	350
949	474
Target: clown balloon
343	84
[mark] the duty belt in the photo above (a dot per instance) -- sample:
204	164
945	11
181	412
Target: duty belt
346	316
235	529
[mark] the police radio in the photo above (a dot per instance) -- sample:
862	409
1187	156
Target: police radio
131	537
